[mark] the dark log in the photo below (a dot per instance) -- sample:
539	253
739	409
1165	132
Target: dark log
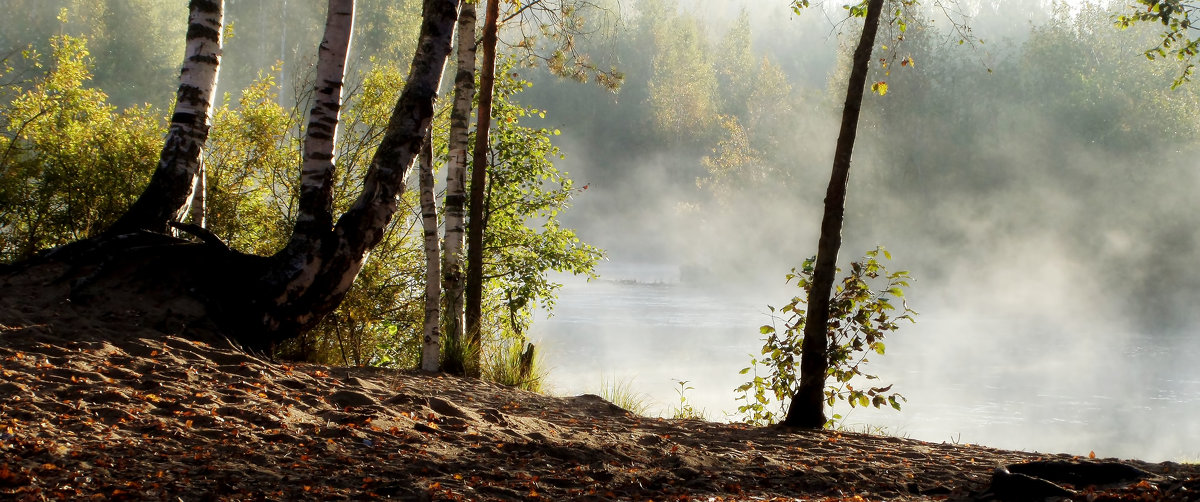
1081	474
1044	479
1007	485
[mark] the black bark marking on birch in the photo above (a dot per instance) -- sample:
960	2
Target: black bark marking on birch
192	95
206	6
183	118
200	58
202	31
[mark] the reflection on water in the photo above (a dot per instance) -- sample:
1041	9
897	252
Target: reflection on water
1003	382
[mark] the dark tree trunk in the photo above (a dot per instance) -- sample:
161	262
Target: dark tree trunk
807	408
166	197
476	225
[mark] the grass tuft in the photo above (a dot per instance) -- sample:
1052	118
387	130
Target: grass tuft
515	364
621	393
459	356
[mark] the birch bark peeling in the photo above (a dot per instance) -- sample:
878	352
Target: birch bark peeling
456	174
807	408
166	196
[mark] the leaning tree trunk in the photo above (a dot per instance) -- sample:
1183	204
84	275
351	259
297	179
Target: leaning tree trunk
256	300
344	250
456	174
301	258
807	408
487	80
170	188
431	339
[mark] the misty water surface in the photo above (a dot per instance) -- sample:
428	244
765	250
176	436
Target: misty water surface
1002	382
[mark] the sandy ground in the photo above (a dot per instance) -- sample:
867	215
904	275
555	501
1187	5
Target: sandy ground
119	399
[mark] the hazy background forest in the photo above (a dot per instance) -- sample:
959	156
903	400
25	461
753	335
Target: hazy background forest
1037	180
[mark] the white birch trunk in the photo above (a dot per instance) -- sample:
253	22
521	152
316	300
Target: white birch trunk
315	216
301	260
360	228
431	340
198	207
456	172
166	198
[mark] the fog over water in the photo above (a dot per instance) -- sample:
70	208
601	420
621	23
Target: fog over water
1041	188
971	375
1054	270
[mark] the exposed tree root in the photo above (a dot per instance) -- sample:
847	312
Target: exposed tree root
171	283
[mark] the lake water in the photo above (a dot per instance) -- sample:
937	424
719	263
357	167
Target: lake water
1032	382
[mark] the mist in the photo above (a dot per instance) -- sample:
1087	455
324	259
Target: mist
1038	185
1050	238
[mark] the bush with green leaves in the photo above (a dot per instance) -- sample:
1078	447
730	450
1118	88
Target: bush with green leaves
70	162
867	304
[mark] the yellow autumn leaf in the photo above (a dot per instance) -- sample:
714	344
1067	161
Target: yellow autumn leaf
880	88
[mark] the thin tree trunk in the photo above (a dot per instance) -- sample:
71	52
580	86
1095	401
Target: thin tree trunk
170	187
198	207
315	209
432	338
301	258
807	408
362	226
487	80
456	175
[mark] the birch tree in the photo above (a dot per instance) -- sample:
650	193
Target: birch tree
474	280
315	208
456	174
343	250
807	408
263	300
431	339
171	185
